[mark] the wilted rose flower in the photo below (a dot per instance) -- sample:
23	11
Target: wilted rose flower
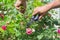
58	31
28	31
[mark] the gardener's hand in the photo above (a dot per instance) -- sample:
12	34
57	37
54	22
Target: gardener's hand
21	3
41	10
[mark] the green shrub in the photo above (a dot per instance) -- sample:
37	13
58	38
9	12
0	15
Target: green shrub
16	23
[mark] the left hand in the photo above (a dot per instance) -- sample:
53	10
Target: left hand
20	3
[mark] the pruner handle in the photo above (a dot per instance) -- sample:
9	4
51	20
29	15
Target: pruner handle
36	17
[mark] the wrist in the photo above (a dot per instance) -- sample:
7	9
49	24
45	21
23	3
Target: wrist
48	6
54	4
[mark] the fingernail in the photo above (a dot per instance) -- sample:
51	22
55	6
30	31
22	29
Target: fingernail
40	17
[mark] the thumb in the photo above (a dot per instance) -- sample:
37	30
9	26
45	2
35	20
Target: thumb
17	8
34	13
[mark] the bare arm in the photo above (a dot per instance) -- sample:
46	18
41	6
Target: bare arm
54	4
43	9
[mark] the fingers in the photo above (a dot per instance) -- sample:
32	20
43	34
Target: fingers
23	9
42	15
17	4
17	7
21	6
35	12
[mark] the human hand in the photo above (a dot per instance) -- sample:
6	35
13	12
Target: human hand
41	10
19	4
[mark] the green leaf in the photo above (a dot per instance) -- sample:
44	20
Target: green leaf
40	37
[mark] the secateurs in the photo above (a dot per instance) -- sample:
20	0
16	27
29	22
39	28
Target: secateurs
34	18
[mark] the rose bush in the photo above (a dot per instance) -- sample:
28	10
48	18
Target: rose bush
13	23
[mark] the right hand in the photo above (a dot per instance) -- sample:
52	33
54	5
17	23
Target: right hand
41	10
20	3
